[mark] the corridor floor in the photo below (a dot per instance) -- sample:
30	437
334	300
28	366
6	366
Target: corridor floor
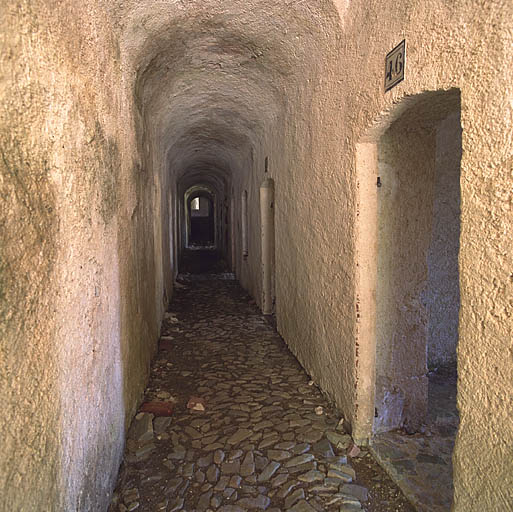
267	438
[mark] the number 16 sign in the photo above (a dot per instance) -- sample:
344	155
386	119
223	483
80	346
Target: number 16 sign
395	62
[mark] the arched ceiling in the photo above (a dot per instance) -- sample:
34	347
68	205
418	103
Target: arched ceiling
204	178
213	77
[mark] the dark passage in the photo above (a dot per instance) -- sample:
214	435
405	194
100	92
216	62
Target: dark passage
202	221
267	438
202	261
202	230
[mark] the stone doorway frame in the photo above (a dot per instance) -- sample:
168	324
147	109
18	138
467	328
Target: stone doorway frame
441	103
199	191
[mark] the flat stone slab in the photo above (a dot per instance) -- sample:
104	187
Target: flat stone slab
339	439
240	436
339	475
278	454
248	465
311	476
268	471
300	459
302	506
358	491
323	448
297	495
230	468
260	502
161	424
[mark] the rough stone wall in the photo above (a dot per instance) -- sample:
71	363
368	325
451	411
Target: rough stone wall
77	329
466	45
212	88
30	429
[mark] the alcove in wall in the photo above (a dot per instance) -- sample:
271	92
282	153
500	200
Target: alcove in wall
418	228
408	283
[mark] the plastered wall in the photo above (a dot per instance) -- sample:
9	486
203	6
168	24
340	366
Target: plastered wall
320	310
465	45
81	298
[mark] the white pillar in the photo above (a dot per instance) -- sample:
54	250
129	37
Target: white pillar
267	224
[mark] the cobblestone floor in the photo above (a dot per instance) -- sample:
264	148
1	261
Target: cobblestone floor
422	463
267	439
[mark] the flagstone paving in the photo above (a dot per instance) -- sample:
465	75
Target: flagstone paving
263	437
421	463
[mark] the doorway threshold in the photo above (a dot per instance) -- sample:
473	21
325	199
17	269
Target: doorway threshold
421	463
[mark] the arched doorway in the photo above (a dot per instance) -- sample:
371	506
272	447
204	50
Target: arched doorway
202	229
418	228
408	301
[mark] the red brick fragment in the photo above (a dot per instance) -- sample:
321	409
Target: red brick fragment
158	408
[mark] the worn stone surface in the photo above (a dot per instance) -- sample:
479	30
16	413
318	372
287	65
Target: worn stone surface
421	464
234	355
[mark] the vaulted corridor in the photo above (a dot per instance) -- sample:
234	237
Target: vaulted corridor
264	438
348	163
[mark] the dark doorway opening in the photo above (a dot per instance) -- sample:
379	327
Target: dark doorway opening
202	262
202	218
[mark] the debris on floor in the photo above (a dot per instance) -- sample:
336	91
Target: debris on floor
196	404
